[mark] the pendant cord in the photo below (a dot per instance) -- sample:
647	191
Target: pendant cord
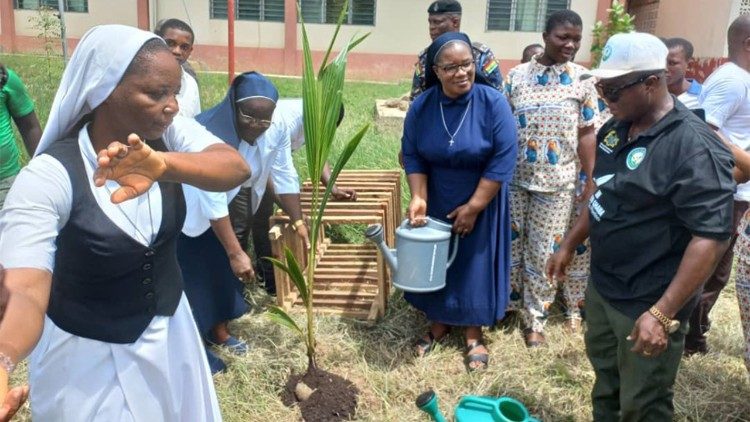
132	223
460	124
150	217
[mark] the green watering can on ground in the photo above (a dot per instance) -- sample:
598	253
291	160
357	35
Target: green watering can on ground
477	409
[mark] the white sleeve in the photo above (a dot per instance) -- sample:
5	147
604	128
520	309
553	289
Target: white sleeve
721	99
36	209
187	135
283	173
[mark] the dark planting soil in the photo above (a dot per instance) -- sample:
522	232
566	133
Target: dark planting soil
334	398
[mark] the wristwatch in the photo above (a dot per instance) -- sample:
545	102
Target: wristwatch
670	325
296	225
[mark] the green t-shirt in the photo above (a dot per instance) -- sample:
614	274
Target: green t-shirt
14	102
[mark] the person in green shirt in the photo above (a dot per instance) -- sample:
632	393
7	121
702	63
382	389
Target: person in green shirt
15	105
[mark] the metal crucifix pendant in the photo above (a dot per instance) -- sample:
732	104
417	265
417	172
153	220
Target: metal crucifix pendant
450	143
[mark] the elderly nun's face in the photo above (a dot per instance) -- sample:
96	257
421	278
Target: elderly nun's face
455	69
145	100
254	118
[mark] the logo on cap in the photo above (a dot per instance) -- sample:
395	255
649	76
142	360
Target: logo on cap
435	7
635	158
607	53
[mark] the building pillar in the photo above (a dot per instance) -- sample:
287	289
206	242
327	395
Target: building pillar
290	37
8	24
144	22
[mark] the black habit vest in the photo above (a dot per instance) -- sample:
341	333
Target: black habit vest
106	285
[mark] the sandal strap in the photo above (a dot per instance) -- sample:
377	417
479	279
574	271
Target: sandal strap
478	357
426	345
473	345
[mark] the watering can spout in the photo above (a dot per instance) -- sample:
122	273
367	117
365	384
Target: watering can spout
374	234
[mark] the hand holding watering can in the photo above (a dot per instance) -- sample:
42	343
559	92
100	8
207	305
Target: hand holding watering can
420	260
464	216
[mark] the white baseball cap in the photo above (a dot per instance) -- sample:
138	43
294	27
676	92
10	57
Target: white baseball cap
630	52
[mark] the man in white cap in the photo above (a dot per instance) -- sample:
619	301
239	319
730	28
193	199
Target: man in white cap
658	223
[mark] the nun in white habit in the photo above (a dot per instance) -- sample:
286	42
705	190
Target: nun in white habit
88	242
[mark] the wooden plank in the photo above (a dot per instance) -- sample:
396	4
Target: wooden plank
350	280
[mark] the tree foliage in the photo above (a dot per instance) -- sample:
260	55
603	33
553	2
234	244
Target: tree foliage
618	21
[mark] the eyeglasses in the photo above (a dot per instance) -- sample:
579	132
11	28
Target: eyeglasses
452	69
252	121
613	93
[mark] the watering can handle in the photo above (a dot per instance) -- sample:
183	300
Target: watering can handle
454	252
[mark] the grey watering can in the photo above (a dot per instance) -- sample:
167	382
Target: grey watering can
420	260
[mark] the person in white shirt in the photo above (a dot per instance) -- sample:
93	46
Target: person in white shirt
686	90
726	100
90	264
289	113
289	116
213	261
180	38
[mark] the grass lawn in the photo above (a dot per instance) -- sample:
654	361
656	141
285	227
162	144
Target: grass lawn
554	381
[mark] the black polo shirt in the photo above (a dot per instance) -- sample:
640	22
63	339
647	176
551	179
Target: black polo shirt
654	193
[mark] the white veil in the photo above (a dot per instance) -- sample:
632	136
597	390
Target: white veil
94	70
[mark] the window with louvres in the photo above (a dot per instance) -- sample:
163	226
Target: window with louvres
521	15
360	12
250	10
81	6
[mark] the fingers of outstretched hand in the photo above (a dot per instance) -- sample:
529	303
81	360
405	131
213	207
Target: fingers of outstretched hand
135	141
123	193
12	402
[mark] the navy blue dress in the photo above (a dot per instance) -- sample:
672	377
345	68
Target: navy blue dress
215	294
478	283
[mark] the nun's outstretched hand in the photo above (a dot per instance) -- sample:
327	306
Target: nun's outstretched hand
134	166
12	401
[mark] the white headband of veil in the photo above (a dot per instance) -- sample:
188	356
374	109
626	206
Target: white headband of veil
94	70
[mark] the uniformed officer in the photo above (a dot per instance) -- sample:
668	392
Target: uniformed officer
658	223
445	16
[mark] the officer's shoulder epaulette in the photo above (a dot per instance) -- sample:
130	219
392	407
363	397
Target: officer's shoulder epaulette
480	46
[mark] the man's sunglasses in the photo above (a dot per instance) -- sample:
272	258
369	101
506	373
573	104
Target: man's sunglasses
613	93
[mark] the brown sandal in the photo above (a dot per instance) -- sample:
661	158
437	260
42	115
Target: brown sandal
426	346
482	358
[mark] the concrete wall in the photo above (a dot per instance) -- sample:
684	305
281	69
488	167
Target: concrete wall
399	33
703	22
100	12
401	28
214	31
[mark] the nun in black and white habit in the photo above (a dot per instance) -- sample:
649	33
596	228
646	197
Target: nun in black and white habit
95	288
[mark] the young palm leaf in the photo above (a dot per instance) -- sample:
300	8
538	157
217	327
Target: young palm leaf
322	97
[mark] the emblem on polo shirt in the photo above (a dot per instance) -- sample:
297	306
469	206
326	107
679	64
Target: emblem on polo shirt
610	142
635	157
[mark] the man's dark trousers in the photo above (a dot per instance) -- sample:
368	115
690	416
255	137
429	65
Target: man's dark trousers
695	341
628	386
247	225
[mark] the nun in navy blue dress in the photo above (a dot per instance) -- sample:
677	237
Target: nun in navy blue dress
459	153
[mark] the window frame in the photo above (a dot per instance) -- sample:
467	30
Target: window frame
261	12
542	5
323	13
17	6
